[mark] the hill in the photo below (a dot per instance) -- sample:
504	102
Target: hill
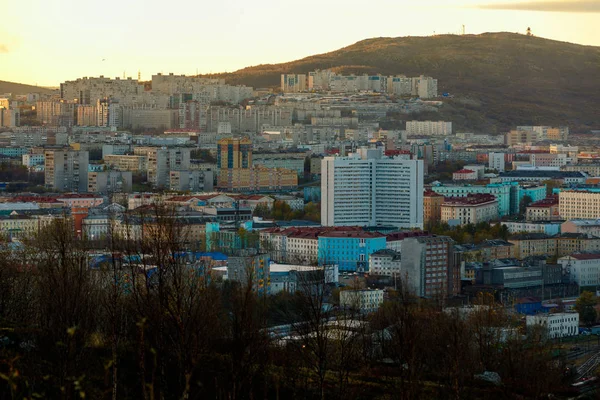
499	80
19	88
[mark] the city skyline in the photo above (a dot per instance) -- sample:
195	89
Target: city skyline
182	39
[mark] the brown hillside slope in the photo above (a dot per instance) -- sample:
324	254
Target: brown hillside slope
19	88
513	79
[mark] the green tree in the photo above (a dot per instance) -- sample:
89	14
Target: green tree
524	203
585	306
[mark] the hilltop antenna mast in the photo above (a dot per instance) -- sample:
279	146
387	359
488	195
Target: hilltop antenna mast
463	30
139	75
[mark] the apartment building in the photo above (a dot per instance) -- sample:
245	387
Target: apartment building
429	128
432	208
289	160
237	172
367	188
10	117
127	162
496	161
555	160
162	160
193	181
575	204
515	137
87	115
257	179
293	83
66	170
55	113
192	115
427	263
543	210
350	250
472	209
109	181
88	91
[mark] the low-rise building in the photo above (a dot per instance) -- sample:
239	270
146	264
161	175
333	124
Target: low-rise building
557	325
365	300
465	175
472	209
385	262
543	210
532	244
547	227
587	226
582	268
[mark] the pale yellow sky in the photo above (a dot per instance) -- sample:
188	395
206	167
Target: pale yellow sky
46	42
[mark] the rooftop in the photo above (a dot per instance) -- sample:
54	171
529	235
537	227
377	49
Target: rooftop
471	199
464	171
545	203
530	236
542	174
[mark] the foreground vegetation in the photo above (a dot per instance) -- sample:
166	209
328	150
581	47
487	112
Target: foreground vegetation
159	327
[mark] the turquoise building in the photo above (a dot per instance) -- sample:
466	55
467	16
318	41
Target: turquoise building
349	250
13	151
508	194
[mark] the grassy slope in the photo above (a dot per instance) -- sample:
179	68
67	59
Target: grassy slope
512	79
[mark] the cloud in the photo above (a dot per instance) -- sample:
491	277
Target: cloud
579	6
3	48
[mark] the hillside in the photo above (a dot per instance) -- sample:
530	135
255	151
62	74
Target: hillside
19	88
499	79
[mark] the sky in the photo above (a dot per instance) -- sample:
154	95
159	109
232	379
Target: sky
46	42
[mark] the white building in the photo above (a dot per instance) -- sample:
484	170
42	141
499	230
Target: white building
368	188
429	128
496	161
584	268
557	325
472	209
480	169
366	300
385	262
465	174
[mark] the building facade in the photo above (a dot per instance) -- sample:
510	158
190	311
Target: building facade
367	188
66	170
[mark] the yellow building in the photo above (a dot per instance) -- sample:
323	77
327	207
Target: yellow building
234	153
21	226
532	244
236	172
575	204
257	178
127	163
